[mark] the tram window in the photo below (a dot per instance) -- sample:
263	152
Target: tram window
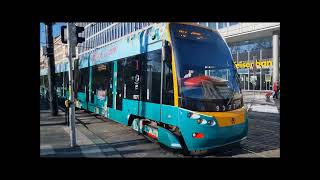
168	84
46	81
152	74
66	80
83	79
59	79
100	79
132	77
59	82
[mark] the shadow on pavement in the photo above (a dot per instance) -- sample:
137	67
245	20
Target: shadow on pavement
97	150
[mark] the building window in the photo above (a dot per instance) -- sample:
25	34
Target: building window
203	23
105	37
116	32
233	23
101	39
98	39
129	27
113	33
122	29
108	35
222	25
212	25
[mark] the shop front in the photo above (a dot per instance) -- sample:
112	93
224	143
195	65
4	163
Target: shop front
255	75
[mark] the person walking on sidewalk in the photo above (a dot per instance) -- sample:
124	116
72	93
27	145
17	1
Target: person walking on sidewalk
275	90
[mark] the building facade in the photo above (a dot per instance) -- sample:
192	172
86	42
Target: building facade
43	59
60	51
255	47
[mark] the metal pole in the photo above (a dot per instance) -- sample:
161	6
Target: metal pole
260	70
275	56
161	76
249	70
51	71
71	87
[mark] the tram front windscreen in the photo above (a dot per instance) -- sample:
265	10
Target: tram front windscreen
207	78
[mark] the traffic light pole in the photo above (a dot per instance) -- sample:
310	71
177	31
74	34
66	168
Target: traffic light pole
51	71
71	88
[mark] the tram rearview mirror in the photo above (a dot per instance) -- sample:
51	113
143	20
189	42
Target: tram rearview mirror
165	51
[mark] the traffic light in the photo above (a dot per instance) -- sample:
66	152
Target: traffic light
74	34
64	34
78	31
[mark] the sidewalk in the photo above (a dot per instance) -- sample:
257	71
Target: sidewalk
256	101
95	138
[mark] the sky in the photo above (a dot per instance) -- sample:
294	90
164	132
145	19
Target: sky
55	32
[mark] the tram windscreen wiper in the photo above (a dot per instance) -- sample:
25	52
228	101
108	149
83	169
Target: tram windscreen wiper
233	91
232	97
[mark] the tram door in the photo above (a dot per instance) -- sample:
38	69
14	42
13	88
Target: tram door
92	92
119	86
109	85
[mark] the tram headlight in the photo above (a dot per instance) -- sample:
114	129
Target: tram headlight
199	121
202	121
193	115
211	122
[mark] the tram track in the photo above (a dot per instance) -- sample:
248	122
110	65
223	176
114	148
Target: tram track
237	152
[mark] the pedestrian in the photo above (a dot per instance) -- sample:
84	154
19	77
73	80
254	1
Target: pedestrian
278	90
275	90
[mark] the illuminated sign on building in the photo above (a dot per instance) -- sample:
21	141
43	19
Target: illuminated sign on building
259	64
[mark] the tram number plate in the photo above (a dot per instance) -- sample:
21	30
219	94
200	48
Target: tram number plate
229	122
233	121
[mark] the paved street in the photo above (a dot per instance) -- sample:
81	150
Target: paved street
100	137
